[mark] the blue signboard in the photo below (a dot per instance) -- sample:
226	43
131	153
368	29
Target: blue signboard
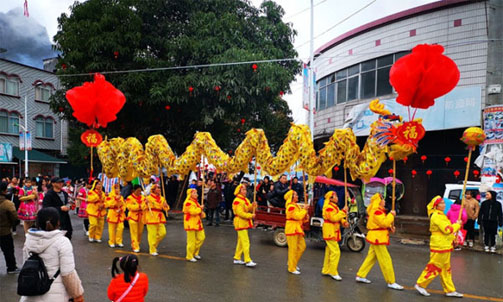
5	152
459	108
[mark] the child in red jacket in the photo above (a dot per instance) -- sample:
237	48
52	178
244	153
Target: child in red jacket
131	286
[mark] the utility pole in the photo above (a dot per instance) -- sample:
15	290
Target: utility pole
311	74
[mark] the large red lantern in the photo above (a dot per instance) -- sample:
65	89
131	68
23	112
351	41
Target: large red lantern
96	103
422	76
91	138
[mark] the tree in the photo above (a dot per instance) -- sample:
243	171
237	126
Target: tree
136	34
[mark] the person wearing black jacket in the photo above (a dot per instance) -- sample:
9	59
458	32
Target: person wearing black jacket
297	187
277	198
57	198
490	216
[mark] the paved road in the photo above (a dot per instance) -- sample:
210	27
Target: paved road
215	278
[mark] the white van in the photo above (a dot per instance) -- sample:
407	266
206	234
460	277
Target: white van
453	192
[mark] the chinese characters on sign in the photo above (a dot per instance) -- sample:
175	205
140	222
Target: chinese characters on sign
91	138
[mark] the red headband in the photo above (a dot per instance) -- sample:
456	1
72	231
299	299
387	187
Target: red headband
439	200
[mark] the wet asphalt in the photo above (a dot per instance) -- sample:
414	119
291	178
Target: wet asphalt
216	278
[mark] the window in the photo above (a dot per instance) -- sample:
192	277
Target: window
8	86
44	127
43	93
9	122
368	79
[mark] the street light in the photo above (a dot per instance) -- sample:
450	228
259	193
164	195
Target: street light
25	137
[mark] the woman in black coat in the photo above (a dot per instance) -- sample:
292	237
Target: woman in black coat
490	217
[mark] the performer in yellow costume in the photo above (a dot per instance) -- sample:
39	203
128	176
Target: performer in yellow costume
96	211
333	218
193	213
134	204
378	225
243	211
296	215
116	214
441	246
154	209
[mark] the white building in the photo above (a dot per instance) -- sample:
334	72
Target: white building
353	69
49	134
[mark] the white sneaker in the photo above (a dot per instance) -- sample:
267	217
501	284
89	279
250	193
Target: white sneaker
470	244
238	261
465	243
193	260
297	268
14	233
91	240
111	245
295	272
493	249
251	264
454	294
87	233
136	251
363	280
422	291
395	286
120	245
336	277
198	257
98	240
154	254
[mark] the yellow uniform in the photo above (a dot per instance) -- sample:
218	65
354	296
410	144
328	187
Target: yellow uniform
243	211
295	217
333	217
96	212
378	237
441	246
153	210
192	223
135	219
115	217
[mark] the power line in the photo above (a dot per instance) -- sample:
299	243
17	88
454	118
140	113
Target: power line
182	67
338	23
287	17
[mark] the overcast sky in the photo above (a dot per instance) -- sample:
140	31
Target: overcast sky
18	32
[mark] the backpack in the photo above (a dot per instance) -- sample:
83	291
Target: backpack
33	279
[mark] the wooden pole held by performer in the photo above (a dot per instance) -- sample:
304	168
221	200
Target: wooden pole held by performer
393	186
345	186
162	187
255	186
304	185
470	148
202	177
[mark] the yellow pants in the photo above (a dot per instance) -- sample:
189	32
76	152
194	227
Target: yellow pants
379	253
440	264
296	247
156	233
115	233
332	256
243	246
195	240
96	226
136	230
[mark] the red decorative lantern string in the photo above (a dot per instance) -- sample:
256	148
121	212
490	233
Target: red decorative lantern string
476	173
423	158
229	97
281	93
336	168
447	160
191	89
456	174
254	67
116	54
243	121
239	130
168	107
429	172
465	159
405	159
390	171
413	172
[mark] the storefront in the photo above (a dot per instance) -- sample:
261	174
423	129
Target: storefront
38	163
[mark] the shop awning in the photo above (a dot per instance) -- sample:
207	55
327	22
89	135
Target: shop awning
35	156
